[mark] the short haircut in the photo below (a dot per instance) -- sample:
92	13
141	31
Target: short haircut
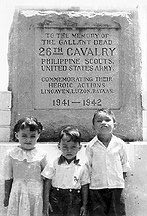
72	132
107	111
27	122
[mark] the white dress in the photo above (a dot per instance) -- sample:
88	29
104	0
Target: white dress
25	168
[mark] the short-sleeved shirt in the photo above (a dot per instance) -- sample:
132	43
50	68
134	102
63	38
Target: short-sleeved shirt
67	176
107	164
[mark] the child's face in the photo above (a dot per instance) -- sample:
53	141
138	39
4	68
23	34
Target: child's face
103	123
27	138
69	148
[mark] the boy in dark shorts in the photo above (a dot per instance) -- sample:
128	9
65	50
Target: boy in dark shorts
66	190
108	164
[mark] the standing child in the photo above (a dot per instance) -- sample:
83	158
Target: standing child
23	167
108	166
67	187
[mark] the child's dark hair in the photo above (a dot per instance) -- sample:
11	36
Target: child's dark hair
71	132
26	122
107	111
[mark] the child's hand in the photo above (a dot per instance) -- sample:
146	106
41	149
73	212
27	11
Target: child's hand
50	207
6	201
83	211
46	213
46	209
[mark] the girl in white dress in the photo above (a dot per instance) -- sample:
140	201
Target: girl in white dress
23	166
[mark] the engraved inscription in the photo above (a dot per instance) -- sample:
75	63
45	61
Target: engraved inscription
76	69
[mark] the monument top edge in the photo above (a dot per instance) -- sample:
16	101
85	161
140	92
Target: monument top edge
71	13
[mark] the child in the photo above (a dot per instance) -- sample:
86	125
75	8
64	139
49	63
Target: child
69	178
108	166
23	167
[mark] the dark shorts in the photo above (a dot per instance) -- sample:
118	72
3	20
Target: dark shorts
106	202
65	202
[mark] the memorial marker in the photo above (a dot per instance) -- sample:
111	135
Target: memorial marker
65	64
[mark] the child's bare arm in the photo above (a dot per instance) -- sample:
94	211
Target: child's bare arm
46	193
8	186
84	190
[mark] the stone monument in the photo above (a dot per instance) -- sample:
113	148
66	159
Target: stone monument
64	65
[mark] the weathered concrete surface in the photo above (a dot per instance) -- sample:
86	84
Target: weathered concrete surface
5	115
136	184
22	71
